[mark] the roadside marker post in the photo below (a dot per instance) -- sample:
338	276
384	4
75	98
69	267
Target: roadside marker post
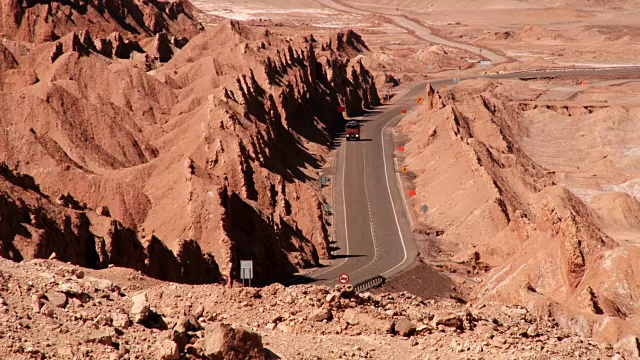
246	271
343	278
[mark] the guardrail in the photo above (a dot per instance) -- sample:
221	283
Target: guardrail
369	283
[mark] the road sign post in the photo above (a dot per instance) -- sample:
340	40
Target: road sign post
343	278
246	271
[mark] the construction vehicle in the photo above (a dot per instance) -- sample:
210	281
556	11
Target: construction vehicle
352	130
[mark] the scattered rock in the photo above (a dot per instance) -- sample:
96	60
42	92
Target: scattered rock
141	309
103	211
120	320
56	298
36	303
321	314
168	350
47	310
100	337
449	320
404	327
224	342
379	326
187	324
331	297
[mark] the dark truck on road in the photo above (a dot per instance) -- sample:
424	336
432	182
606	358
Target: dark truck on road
352	130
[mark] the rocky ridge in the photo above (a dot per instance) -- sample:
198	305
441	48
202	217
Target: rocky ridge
542	246
184	170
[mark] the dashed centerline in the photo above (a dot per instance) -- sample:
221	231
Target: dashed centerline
366	193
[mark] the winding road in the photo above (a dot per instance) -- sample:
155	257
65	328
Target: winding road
373	229
417	29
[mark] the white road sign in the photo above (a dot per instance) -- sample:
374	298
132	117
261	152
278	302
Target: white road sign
246	269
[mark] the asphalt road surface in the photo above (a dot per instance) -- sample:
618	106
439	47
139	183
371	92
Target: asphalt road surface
372	228
373	233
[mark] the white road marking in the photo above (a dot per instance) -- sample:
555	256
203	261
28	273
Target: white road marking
366	193
404	200
344	212
386	175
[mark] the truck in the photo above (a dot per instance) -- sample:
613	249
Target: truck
352	130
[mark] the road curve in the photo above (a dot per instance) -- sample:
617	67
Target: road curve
373	231
418	29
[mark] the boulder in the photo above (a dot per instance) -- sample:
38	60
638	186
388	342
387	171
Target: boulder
120	320
449	320
321	314
56	298
47	310
224	342
141	309
186	324
404	327
103	211
167	350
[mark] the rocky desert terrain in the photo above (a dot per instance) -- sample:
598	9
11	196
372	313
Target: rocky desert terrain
56	311
147	146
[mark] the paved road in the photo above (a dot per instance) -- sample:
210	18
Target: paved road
372	227
418	29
